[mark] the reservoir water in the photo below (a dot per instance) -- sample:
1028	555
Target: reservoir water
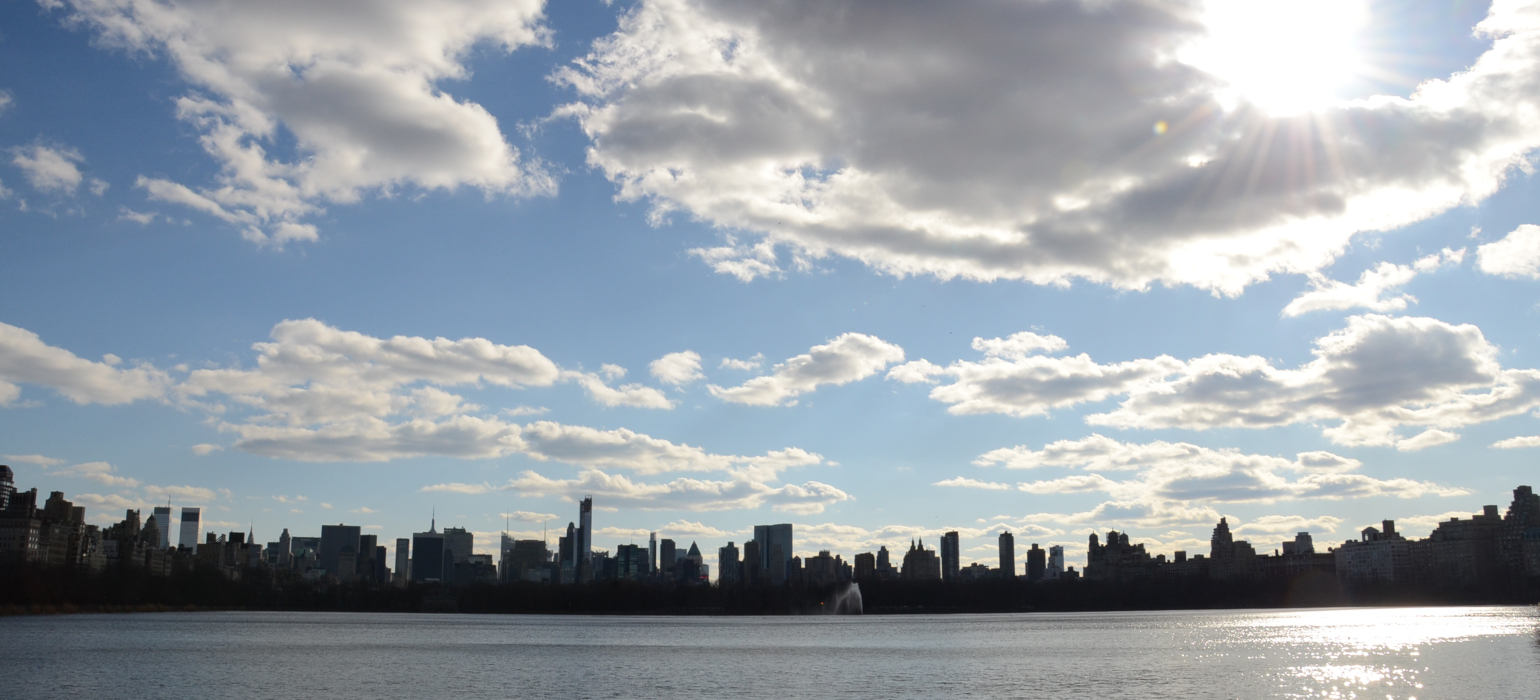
1446	652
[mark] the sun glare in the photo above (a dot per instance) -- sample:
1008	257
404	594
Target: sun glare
1283	56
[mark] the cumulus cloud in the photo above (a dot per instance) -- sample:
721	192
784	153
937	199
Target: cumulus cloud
1021	141
1372	288
1516	255
26	359
1518	442
363	96
204	449
633	395
848	358
100	472
965	482
1371	378
677	368
1013	382
1367	382
1171	476
49	169
626	449
679	494
743	365
37	460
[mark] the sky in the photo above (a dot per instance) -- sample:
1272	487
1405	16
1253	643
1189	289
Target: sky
877	269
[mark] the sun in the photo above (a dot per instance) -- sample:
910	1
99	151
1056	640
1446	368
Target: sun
1282	56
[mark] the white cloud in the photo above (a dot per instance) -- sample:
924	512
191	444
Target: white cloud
1019	345
518	411
1516	255
1372	287
1014	383
204	449
138	217
1518	442
744	365
677	368
364	96
679	494
632	395
180	494
1371	378
100	472
5	101
26	359
1178	474
529	516
1367	383
1432	437
38	460
49	169
848	358
933	139
967	483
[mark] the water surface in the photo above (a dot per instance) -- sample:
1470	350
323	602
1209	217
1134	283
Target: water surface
1382	652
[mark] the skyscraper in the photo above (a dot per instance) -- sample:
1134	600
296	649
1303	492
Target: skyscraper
163	521
189	538
1055	563
7	486
428	555
727	564
459	544
775	549
949	556
666	556
585	539
1037	563
1007	555
337	541
652	552
403	550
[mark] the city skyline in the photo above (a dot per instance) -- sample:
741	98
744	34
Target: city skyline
470	263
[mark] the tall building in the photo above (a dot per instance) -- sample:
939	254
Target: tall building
728	567
921	564
1007	555
1055	563
459	544
652	552
585	554
163	521
189	538
1037	563
7	487
667	556
339	542
428	560
775	549
403	552
1221	544
949	556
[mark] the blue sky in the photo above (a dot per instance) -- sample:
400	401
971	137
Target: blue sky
1047	267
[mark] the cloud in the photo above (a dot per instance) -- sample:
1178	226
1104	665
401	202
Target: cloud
100	472
5	101
632	395
930	139
967	483
1372	287
181	494
364	98
138	217
204	449
26	359
529	516
1372	377
1012	382
38	460
677	368
1431	437
620	491
745	365
1518	442
847	358
1184	473
49	169
643	454
1516	255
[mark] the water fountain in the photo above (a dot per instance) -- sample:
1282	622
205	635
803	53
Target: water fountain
847	601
